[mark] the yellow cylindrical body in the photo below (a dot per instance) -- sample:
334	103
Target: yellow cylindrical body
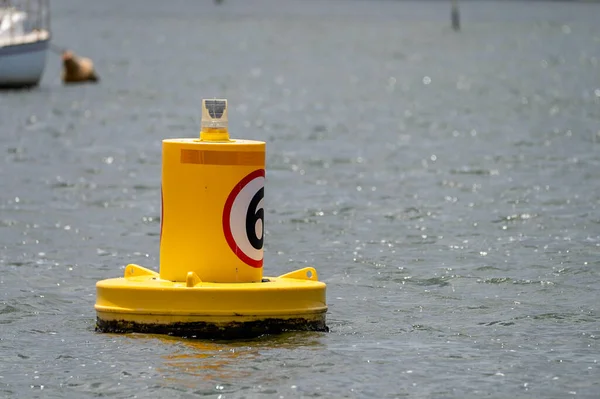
212	220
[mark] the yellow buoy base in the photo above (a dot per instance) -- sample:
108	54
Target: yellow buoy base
142	302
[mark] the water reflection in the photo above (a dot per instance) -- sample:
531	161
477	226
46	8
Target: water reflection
197	364
206	360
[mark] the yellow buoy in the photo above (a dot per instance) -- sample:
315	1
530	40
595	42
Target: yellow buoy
212	189
211	282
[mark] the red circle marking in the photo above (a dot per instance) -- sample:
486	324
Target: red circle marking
227	214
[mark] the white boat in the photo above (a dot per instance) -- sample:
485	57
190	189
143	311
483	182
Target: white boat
24	41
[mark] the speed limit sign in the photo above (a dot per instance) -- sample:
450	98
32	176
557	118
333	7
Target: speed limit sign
244	218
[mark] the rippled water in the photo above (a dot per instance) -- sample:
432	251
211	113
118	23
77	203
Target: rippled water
445	185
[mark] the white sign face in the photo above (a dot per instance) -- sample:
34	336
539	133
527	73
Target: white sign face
244	217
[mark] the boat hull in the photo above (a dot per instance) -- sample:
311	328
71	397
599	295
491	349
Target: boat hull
22	65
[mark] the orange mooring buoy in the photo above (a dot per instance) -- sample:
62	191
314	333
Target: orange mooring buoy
77	69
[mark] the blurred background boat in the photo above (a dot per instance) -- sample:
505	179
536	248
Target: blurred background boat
24	41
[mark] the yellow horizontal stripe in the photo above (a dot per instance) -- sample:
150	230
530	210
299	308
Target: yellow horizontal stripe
204	157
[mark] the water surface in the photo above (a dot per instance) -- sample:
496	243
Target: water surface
445	186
